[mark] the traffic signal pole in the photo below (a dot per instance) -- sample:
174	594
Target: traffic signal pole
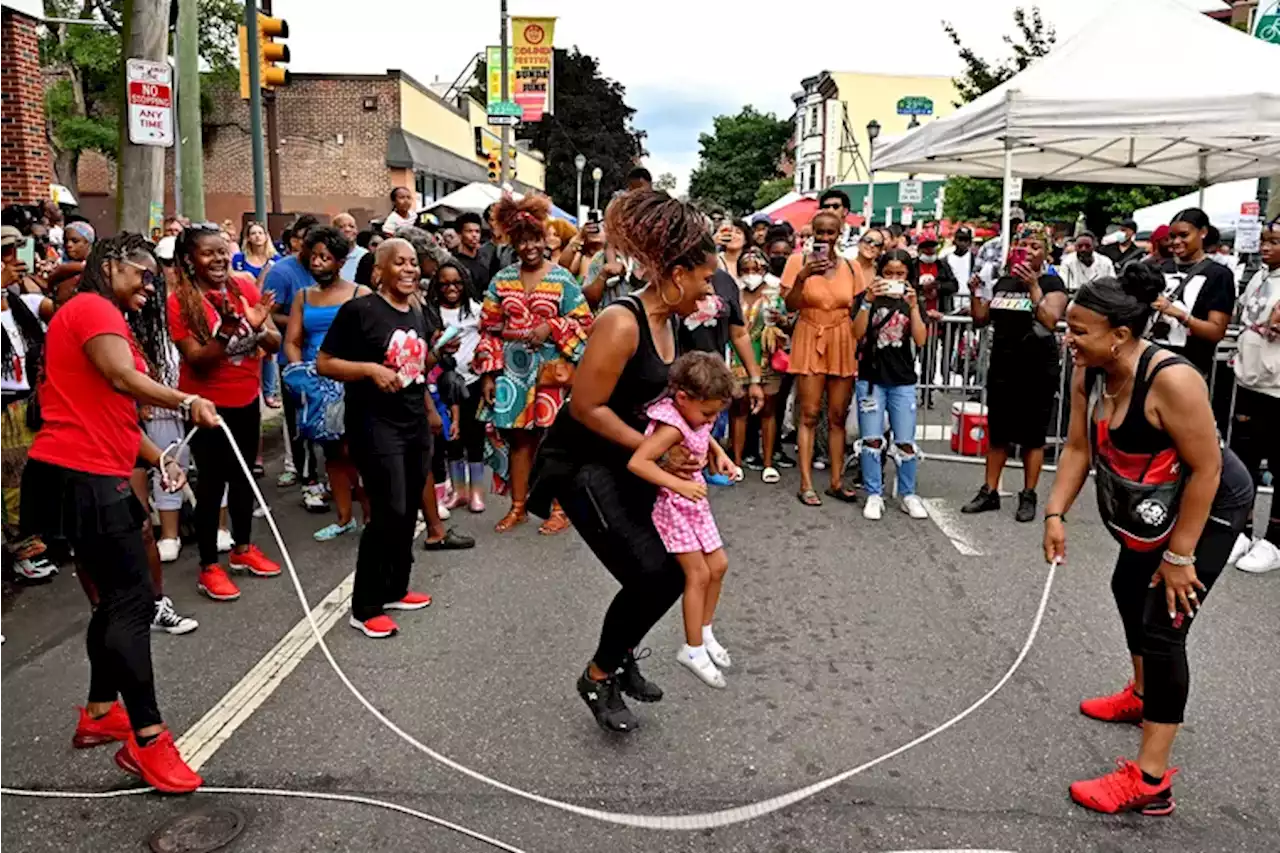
506	128
255	111
273	140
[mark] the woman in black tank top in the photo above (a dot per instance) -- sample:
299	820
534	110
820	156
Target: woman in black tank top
583	460
1172	496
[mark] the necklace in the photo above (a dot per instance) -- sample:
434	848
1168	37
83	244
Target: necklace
1111	395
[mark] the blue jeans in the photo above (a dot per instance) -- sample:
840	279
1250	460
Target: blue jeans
270	376
899	403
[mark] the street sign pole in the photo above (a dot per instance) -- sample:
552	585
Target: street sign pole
506	128
255	111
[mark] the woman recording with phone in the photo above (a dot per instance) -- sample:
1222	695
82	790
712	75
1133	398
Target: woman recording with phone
821	286
1023	308
1172	497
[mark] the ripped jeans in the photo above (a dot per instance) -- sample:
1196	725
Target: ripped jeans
898	403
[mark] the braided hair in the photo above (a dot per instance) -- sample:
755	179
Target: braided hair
149	326
464	277
660	232
190	297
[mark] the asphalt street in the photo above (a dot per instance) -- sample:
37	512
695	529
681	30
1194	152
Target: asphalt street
849	638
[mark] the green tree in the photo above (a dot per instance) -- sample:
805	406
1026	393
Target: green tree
590	116
741	153
82	67
666	182
1051	201
772	190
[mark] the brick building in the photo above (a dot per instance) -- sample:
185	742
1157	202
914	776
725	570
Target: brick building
345	141
26	169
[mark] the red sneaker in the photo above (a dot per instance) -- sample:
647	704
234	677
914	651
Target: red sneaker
411	601
253	560
214	583
159	765
1124	790
378	627
110	727
1122	707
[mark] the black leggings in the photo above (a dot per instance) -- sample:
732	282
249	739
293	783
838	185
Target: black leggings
102	520
220	471
1162	643
1254	438
470	441
394	484
612	512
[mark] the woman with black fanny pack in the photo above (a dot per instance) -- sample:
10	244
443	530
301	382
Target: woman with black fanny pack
1172	496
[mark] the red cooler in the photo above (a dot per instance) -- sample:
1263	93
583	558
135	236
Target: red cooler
969	429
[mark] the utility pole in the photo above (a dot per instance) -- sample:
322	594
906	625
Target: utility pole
190	143
255	110
141	172
273	140
506	128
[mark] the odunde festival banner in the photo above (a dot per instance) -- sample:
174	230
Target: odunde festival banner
532	40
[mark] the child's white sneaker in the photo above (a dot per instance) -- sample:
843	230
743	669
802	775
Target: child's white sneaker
697	661
719	654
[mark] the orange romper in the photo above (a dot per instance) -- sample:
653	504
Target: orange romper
822	342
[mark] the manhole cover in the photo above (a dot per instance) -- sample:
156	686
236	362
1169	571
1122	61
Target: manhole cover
200	831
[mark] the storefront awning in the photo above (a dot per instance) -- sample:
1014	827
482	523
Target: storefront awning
407	151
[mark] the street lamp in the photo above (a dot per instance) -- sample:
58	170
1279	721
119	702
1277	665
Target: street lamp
873	131
579	163
596	174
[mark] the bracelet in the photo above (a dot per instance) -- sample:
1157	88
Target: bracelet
184	408
1061	516
1178	559
755	380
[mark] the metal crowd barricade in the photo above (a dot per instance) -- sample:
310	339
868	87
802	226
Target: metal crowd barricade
952	366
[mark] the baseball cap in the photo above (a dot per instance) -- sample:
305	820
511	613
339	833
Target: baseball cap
761	217
1130	224
165	248
963	231
1161	232
1017	213
11	236
928	238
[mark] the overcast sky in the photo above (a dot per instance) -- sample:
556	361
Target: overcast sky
682	61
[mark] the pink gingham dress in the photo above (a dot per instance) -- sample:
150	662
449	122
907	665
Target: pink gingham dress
685	526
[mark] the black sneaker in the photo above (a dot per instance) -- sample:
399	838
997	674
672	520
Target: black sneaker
986	500
1026	505
633	683
753	462
604	698
782	460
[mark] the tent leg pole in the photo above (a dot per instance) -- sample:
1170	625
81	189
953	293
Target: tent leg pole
1006	202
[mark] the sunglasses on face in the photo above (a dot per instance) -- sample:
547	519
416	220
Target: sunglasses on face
833	205
875	244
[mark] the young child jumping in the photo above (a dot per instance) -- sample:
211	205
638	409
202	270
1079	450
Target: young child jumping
699	388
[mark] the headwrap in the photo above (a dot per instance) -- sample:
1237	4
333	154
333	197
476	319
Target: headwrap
1033	231
84	229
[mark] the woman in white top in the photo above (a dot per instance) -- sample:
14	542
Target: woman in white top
401	215
732	237
1257	409
448	292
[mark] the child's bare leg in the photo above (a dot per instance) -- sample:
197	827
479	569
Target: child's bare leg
717	564
697	577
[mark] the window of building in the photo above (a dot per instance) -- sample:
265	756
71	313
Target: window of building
813	119
813	176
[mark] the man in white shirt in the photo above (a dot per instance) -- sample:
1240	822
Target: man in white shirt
962	262
1084	264
346	223
402	214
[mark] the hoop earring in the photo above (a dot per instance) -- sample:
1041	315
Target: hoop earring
663	296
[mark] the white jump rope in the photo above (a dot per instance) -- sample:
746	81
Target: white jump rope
686	822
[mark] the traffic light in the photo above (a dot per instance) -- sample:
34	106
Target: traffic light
495	165
269	53
511	164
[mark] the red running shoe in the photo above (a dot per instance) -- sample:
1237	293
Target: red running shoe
253	560
1124	790
411	601
1122	707
378	627
214	583
110	727
159	765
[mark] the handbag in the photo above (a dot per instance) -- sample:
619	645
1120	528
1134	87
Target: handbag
556	373
780	361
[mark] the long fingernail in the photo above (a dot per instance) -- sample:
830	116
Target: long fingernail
1173	614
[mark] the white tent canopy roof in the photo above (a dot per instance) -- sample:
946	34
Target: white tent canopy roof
1151	92
473	198
1221	203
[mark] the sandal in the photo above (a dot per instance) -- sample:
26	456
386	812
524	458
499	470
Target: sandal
515	516
809	497
452	541
557	522
770	475
841	495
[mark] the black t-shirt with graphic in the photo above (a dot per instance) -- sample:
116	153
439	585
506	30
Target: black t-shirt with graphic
711	334
888	355
1203	286
370	329
1020	344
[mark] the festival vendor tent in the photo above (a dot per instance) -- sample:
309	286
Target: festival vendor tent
474	198
1221	201
800	211
1150	92
780	203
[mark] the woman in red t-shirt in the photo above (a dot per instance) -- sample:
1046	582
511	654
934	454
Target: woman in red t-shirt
76	487
219	324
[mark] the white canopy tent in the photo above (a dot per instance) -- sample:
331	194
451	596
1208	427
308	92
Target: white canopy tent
1151	92
475	197
1220	201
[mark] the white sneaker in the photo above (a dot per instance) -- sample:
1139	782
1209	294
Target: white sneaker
167	619
1262	557
34	569
873	509
1238	550
169	549
697	661
913	506
719	654
225	542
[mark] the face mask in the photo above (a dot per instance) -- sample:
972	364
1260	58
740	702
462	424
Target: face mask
752	280
778	264
928	259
